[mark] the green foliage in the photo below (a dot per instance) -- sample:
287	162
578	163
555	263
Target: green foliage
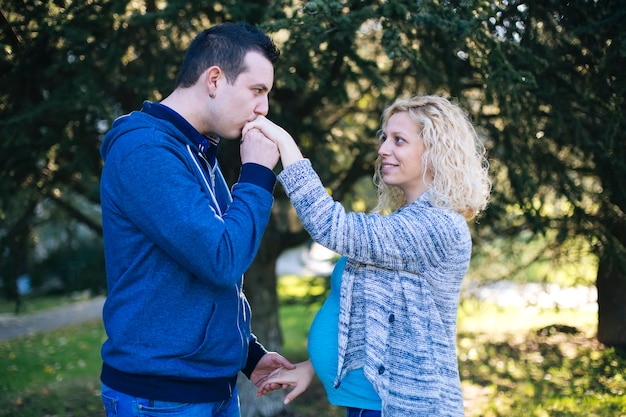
534	258
76	269
544	82
544	373
553	81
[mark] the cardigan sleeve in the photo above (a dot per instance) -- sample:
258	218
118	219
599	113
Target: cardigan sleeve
418	234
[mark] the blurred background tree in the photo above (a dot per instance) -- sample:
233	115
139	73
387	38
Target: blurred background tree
544	82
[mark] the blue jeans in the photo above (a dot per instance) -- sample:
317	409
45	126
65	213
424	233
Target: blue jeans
361	412
117	404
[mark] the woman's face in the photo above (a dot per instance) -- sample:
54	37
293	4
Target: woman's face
401	153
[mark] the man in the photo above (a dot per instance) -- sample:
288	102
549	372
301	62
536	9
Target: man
177	242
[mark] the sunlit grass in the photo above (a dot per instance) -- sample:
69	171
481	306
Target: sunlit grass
533	362
541	373
51	357
295	321
514	362
45	374
295	288
480	316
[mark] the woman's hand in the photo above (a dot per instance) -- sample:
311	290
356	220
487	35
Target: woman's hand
289	151
299	378
267	366
270	129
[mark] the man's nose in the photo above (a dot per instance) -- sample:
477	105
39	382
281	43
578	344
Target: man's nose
263	107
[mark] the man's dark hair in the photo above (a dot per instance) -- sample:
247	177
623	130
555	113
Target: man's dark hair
224	45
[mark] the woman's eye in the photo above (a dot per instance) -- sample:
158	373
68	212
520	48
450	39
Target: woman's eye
399	139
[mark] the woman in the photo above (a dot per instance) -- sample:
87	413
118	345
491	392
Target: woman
403	271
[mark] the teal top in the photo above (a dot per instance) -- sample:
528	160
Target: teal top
355	390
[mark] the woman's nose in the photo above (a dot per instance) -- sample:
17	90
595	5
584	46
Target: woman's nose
383	149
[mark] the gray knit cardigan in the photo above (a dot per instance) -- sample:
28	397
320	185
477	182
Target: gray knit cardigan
399	295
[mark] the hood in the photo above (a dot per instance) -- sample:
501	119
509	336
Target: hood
155	120
121	126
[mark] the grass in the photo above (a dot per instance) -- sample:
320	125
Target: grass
556	370
514	362
52	374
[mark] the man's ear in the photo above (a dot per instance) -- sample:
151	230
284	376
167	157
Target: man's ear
212	75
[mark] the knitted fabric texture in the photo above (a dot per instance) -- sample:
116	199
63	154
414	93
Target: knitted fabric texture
399	295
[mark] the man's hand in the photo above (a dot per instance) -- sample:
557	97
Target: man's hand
256	147
270	362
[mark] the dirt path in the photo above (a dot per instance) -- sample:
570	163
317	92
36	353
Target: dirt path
13	326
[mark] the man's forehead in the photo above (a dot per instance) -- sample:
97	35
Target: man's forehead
259	71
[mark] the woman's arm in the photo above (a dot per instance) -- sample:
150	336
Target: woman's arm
386	241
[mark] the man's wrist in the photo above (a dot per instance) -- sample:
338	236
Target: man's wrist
258	174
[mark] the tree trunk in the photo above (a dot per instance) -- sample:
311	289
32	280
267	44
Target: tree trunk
260	289
260	286
611	285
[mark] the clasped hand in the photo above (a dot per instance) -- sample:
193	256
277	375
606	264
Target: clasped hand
299	378
289	151
256	148
269	129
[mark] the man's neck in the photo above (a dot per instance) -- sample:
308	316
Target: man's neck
184	102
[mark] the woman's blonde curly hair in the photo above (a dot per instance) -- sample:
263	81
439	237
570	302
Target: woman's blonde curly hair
454	157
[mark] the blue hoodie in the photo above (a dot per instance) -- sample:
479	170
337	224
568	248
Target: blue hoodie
177	321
